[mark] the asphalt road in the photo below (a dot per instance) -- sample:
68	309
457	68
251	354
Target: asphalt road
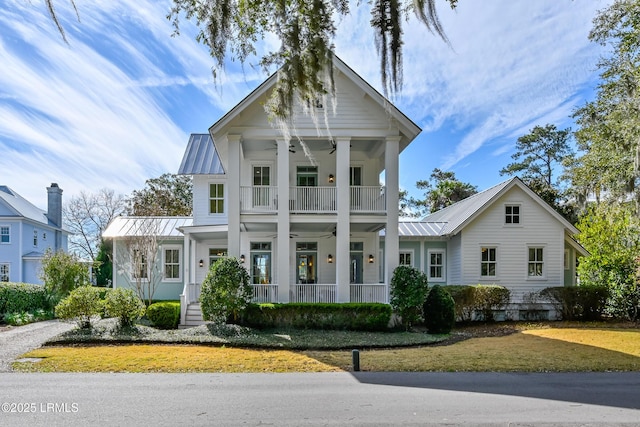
487	399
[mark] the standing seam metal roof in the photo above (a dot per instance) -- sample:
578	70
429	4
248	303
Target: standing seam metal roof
201	157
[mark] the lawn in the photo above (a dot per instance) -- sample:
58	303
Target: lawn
556	347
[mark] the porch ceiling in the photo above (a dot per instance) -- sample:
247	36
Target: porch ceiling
315	145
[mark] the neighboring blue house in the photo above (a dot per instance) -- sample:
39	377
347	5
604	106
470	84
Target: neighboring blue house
26	232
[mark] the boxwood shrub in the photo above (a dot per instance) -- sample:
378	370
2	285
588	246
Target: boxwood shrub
164	315
337	316
477	302
22	297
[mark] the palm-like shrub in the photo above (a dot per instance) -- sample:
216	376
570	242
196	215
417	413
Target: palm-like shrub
225	291
81	304
439	311
125	305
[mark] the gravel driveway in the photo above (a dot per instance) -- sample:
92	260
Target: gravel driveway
19	340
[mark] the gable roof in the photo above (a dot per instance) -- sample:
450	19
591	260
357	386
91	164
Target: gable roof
22	208
456	216
201	157
137	226
406	125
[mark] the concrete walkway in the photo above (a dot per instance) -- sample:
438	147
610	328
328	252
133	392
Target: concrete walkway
19	340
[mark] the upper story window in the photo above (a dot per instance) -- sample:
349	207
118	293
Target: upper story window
216	198
35	238
216	253
512	214
488	262
307	176
355	175
4	272
535	266
261	175
436	265
5	234
172	263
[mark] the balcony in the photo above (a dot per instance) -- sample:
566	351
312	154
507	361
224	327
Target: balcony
306	200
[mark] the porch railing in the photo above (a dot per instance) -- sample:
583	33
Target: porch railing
313	293
264	199
368	293
265	293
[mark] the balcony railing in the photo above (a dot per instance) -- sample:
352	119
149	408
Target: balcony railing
264	199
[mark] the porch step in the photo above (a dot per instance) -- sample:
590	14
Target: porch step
193	317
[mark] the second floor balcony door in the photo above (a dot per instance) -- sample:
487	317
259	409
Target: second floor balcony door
261	186
355	180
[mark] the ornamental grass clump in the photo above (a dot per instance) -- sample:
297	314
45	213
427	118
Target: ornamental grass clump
225	291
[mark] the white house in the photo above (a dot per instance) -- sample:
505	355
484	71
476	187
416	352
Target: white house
305	214
26	232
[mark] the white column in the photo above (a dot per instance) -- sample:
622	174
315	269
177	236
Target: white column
343	228
392	184
233	195
186	259
114	257
283	247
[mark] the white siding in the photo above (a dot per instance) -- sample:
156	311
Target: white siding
537	228
454	261
201	214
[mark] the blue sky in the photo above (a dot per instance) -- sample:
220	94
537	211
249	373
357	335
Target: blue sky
115	106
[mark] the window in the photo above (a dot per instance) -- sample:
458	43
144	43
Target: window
355	175
35	238
512	214
4	272
216	198
488	262
536	262
139	267
307	176
306	255
44	236
261	182
260	263
406	258
5	236
172	263
215	254
436	265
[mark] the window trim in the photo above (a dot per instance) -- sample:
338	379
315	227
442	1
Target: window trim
164	263
495	261
8	234
442	251
132	273
512	215
543	262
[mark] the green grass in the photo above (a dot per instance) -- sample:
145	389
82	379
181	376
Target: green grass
557	347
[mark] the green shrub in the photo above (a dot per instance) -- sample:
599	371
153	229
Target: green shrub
23	318
125	305
347	316
225	291
63	272
463	297
439	311
22	297
578	302
409	289
164	315
81	304
488	298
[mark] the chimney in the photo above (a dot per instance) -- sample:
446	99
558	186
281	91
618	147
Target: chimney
54	205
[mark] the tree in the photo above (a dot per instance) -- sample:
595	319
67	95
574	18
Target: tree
225	291
441	190
409	289
167	195
87	215
62	272
611	234
609	127
306	30
138	258
103	265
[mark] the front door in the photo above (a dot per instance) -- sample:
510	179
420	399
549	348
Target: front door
356	258
306	255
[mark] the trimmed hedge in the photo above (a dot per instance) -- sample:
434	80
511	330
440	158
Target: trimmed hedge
164	315
346	316
22	297
477	302
439	312
578	302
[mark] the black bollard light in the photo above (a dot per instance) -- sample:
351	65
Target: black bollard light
355	355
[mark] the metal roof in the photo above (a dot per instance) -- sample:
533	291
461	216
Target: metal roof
136	226
201	157
418	229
